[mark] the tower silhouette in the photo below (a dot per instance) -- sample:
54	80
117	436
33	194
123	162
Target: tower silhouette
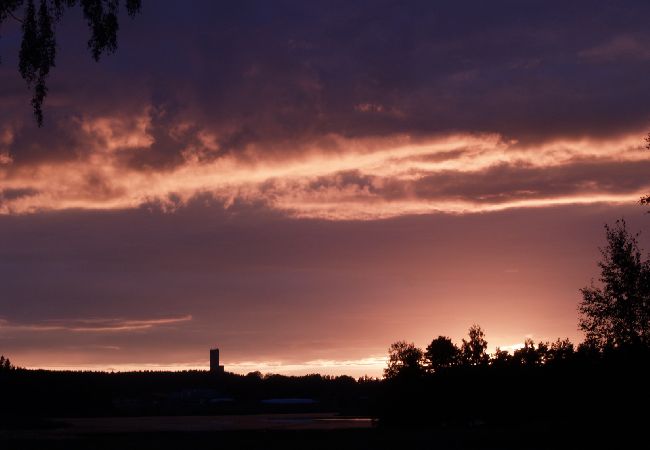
214	361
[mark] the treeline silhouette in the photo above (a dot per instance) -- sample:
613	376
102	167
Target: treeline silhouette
407	360
599	386
544	384
42	393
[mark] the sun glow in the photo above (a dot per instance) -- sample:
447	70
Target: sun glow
370	366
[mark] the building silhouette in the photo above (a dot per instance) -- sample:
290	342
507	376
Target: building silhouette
214	361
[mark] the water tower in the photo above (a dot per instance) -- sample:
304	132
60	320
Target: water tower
214	361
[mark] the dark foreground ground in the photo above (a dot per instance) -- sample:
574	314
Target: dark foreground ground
581	403
297	431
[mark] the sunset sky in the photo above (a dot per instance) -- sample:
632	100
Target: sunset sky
302	183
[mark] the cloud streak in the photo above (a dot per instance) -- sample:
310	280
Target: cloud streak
92	325
336	179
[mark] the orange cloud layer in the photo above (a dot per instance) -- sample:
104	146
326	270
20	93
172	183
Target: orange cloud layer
360	179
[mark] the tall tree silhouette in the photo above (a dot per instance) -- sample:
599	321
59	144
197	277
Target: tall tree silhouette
38	46
617	313
473	352
5	364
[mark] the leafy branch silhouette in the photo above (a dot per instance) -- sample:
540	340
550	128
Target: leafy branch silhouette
38	46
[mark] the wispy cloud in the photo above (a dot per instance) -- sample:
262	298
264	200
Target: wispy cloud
94	325
618	48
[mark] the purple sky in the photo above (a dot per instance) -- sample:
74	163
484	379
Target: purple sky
303	183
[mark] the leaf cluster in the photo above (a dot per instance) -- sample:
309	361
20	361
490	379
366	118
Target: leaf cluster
38	46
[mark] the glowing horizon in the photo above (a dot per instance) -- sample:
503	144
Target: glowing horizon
372	366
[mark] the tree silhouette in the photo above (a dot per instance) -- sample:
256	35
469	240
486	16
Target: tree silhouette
645	200
560	350
618	313
527	355
38	46
404	360
501	358
441	354
473	352
5	364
